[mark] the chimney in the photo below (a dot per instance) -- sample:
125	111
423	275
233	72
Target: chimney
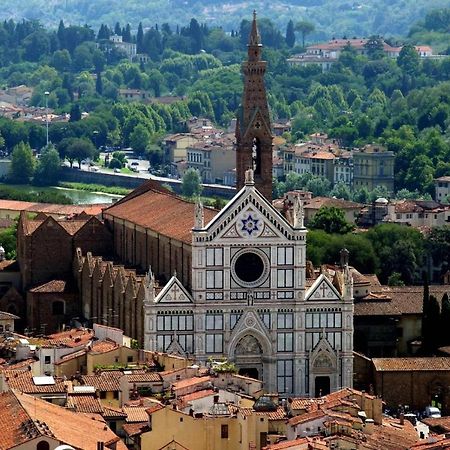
402	418
369	426
100	445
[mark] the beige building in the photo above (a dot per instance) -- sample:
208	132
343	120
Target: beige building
418	213
212	158
175	146
373	166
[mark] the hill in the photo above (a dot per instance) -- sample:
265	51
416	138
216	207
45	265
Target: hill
331	17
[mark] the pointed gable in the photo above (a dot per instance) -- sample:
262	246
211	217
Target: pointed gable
174	292
248	215
322	290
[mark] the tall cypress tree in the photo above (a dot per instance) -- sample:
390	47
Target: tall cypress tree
445	320
139	38
290	34
61	34
117	29
126	33
99	84
425	312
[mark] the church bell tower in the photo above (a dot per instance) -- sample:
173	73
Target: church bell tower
253	129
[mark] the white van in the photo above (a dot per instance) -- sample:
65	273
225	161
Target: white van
432	411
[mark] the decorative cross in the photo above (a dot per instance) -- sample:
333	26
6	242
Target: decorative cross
323	288
175	290
257	125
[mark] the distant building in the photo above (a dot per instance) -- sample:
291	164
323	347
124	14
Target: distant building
373	166
212	158
126	47
326	54
442	188
134	95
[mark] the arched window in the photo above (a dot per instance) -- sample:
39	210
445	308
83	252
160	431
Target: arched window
256	156
58	308
43	445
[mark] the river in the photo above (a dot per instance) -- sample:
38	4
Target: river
77	196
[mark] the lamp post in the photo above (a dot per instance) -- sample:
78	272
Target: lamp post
46	93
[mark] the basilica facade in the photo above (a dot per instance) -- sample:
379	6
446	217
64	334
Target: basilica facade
249	299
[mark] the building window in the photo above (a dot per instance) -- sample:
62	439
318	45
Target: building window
214	257
285	256
163	341
324	320
234	318
43	445
265	317
47	359
285	342
214	279
129	359
285	320
58	308
224	431
187	342
285	375
102	395
116	395
214	343
181	322
214	321
285	278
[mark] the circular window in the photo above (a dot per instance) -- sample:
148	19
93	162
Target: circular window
250	267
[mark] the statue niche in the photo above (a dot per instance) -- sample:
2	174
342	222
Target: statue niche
248	345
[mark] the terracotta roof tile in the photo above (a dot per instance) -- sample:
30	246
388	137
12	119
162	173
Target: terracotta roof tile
438	424
53	286
113	413
134	429
23	382
190	382
15	423
70	338
84	432
411	364
104	346
145	377
135	413
84	403
174	220
106	381
196	395
318	202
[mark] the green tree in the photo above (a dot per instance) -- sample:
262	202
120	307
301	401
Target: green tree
331	220
290	34
140	139
79	149
445	320
395	279
75	113
191	183
304	27
48	169
22	164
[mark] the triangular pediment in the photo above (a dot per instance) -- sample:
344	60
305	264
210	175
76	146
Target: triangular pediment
322	290
174	292
175	348
257	123
250	324
250	216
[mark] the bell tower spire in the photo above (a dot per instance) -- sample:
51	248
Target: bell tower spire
254	136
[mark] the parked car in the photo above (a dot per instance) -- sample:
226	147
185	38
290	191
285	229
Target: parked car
116	170
432	411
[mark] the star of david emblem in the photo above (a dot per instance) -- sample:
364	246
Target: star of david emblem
250	224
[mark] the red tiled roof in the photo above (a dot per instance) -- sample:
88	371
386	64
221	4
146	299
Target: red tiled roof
196	395
83	432
15	423
71	338
145	377
135	413
84	403
175	217
104	346
23	382
411	364
396	300
134	429
188	382
53	287
106	381
318	202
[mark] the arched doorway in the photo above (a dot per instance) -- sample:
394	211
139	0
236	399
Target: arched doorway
248	357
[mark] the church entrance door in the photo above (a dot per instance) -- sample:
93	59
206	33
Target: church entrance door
251	372
322	386
248	357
